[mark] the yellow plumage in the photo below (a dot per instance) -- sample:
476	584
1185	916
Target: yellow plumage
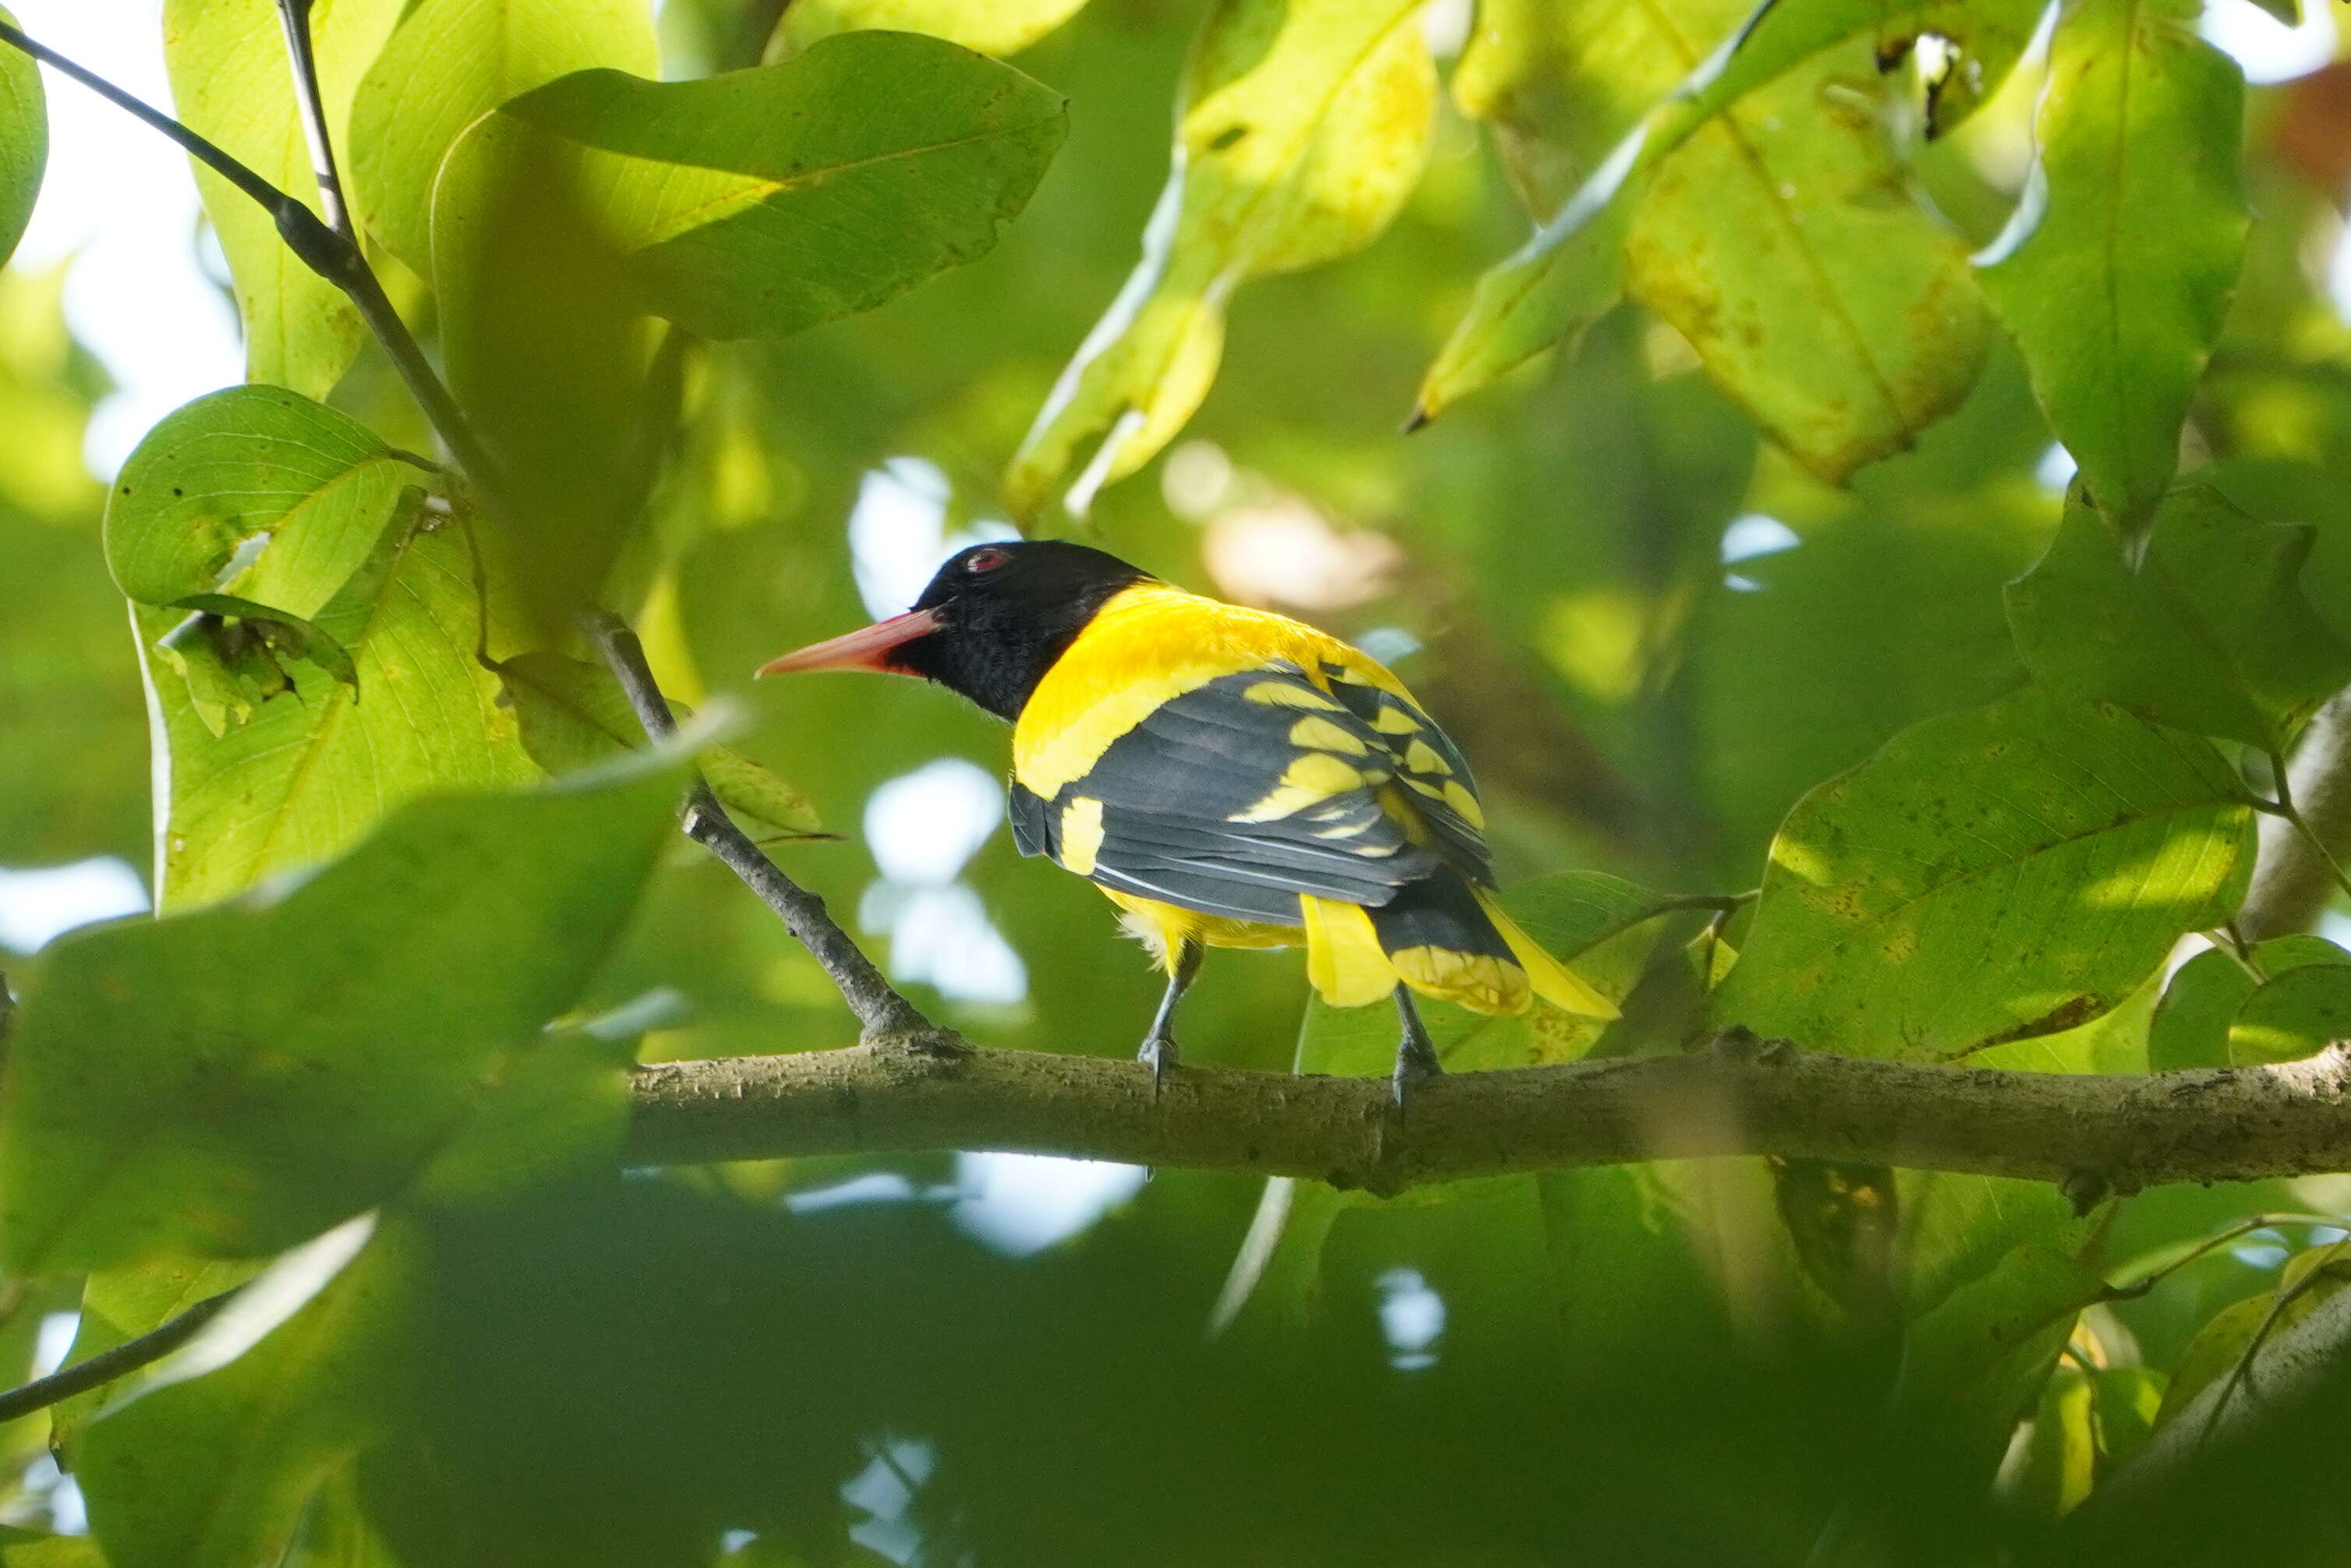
1152	643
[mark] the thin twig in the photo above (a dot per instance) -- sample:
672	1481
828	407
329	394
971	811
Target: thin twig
2296	877
2292	814
304	59
334	256
108	1366
887	1017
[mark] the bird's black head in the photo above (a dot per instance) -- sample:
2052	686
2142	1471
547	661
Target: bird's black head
989	625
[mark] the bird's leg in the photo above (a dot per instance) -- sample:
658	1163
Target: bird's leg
1416	1061
1159	1051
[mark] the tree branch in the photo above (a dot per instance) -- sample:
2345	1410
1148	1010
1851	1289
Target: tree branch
107	1366
2093	1135
890	1020
2293	877
333	255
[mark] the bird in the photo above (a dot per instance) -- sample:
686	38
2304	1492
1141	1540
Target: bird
1229	777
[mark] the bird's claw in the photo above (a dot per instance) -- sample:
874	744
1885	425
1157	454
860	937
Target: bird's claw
1416	1066
1158	1054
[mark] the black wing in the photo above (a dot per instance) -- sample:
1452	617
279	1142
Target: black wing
1240	795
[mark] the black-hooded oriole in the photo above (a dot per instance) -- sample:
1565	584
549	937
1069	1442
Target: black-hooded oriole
1229	777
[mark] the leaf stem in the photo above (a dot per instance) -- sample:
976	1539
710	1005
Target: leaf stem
108	1366
304	58
886	1016
2292	813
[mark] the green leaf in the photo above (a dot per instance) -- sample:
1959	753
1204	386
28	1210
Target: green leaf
1887	612
220	1468
1988	876
2236	1331
221	472
2209	1016
215	1472
1976	1357
2294	1012
763	202
449	63
2192	1022
24	140
2060	1460
997	27
229	1082
231	82
22	1549
318	765
1302	126
1790	254
2116	272
1815	289
2211	633
574	715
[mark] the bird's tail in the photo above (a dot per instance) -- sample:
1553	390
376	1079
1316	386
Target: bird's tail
1444	939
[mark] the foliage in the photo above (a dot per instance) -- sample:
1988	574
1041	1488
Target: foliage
1739	553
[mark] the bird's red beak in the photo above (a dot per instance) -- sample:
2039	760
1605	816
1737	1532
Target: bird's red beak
868	648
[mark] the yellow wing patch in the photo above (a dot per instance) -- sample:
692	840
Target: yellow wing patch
1082	834
1289	693
1312	779
1318	734
1421	758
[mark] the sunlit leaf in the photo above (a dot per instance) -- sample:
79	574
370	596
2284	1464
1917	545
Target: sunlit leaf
252	466
997	27
450	62
2211	633
230	1081
317	765
2087	838
2304	1003
2288	998
1301	127
24	140
763	202
573	715
2116	271
1751	194
230	80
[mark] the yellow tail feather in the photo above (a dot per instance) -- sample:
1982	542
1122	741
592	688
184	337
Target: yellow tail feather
1343	959
1553	981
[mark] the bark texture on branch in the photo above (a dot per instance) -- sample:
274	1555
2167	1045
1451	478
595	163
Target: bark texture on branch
2092	1134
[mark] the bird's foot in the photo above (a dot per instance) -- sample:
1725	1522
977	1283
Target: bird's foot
1158	1054
1416	1067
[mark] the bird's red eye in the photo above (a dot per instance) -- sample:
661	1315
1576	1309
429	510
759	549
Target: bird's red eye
986	559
